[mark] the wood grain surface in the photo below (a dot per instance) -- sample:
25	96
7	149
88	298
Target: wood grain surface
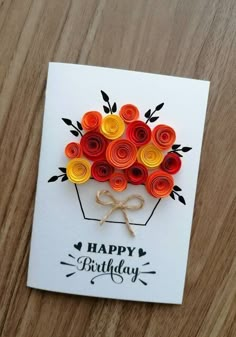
195	39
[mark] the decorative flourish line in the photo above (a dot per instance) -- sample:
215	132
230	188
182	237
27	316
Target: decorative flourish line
145	283
68	264
105	274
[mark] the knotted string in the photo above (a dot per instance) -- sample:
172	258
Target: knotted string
122	205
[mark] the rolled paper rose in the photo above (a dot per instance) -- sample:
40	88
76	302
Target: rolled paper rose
112	127
78	170
73	150
118	181
138	133
171	163
159	184
150	156
121	153
129	113
94	145
101	170
91	120
163	136
136	174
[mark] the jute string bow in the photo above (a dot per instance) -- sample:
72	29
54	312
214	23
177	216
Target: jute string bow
122	205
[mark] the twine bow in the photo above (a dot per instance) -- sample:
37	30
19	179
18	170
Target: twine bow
123	205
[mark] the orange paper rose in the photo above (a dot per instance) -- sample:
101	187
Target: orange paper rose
159	184
163	136
91	120
121	153
73	150
118	181
129	113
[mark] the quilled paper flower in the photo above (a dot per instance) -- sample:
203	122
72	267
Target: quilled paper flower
136	174
163	136
129	113
150	156
112	127
171	163
78	170
101	170
138	133
73	150
118	181
93	145
121	153
91	120
159	184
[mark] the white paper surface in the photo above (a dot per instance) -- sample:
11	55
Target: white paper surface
115	265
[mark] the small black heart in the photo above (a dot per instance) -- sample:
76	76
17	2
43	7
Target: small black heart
141	252
78	245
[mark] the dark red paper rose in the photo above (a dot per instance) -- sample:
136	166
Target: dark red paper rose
101	170
136	174
138	133
171	163
94	145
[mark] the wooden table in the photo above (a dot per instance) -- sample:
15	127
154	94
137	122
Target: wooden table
176	37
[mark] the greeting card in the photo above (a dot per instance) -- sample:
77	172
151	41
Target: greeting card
116	185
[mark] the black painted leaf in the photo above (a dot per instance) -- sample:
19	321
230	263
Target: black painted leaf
172	195
177	188
75	133
64	178
52	179
105	96
186	149
62	169
148	113
67	121
114	107
106	109
175	146
153	119
159	107
180	155
79	126
181	199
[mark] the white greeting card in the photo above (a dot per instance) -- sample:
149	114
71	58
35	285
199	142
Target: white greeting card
71	252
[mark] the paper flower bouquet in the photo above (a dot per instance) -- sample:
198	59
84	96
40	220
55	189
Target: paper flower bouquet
121	149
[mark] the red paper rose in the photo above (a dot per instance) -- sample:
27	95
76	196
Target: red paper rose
138	133
94	145
171	163
101	170
136	174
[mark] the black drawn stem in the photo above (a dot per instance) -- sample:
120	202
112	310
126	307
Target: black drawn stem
175	193
150	116
109	107
175	151
77	130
